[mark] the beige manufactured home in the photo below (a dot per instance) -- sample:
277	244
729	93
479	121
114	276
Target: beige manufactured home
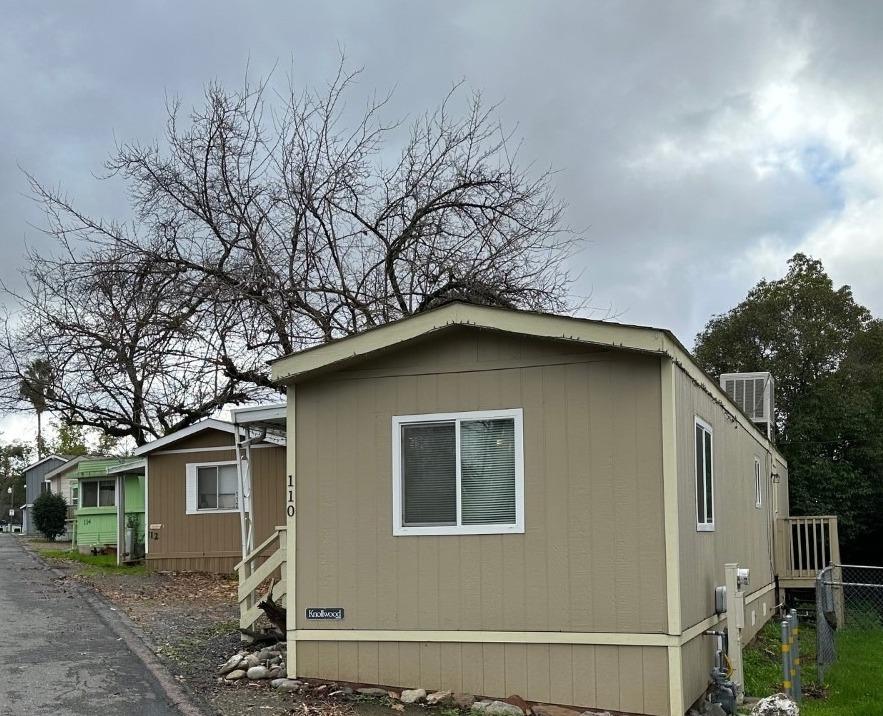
193	518
504	502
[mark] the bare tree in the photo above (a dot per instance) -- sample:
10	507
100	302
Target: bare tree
125	346
261	227
296	220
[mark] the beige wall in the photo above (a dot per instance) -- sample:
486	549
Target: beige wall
591	558
742	534
208	542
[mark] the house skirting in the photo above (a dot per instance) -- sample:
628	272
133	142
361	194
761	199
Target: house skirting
220	563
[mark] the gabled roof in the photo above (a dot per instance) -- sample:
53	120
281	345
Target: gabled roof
128	467
63	458
66	467
201	426
620	336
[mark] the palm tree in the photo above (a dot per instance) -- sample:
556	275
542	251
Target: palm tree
36	388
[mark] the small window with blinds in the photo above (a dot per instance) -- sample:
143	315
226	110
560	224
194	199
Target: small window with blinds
704	477
458	473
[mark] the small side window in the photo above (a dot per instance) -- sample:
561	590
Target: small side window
758	484
704	477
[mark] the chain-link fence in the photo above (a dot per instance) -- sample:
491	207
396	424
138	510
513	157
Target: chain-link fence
849	604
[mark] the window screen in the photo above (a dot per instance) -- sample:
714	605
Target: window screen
487	459
704	478
216	487
429	464
106	493
90	494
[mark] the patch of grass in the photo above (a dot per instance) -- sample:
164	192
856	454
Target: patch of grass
855	681
853	685
95	564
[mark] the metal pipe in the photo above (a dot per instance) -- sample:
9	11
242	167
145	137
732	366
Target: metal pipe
786	658
795	637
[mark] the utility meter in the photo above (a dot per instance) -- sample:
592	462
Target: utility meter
720	599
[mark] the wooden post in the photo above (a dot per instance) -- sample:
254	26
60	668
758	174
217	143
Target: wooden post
291	532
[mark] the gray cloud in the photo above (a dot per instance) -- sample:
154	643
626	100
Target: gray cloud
699	144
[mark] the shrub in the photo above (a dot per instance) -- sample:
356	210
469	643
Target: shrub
50	511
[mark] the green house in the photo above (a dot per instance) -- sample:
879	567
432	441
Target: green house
110	506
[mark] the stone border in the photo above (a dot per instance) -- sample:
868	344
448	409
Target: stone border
119	623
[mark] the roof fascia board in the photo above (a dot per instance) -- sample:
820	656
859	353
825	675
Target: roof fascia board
207	424
42	460
66	467
298	365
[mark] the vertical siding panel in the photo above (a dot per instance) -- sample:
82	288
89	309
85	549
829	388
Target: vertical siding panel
514	574
579	496
556	482
430	666
348	661
473	669
538	676
451	667
327	579
346	479
386	568
649	526
388	652
329	665
427	567
369	662
406	548
470	587
494	667
536	587
450	584
409	664
631	670
491	575
584	675
607	677
625	501
472	657
603	520
561	687
655	680
516	670
369	522
307	658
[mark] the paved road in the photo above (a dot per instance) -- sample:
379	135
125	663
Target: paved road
57	654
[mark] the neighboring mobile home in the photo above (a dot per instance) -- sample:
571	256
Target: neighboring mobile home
35	485
193	497
111	496
503	502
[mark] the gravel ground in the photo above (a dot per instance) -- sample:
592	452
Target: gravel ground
190	621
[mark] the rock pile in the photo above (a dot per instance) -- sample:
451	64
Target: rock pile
268	664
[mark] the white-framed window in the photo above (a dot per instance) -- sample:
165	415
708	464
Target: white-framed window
458	473
704	454
75	494
758	484
212	487
45	487
98	493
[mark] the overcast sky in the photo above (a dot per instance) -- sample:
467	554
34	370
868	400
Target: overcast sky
701	144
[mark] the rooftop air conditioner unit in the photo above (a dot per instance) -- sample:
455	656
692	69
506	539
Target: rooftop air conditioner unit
754	394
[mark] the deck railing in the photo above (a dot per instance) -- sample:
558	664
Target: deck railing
804	547
260	565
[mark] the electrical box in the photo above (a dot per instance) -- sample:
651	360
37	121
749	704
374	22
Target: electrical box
720	599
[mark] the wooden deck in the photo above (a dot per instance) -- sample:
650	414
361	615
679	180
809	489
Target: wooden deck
805	546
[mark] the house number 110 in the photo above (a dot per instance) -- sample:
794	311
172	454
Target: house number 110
290	508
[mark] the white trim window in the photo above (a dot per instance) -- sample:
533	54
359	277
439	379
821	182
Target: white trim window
458	473
704	460
212	487
758	484
98	493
